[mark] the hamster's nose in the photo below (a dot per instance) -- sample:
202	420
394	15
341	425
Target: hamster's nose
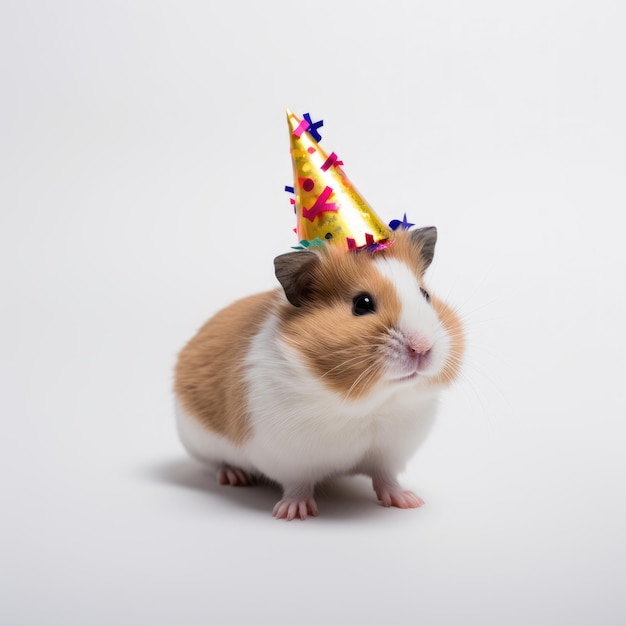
419	353
419	346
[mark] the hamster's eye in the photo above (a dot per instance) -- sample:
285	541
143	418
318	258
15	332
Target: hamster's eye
425	294
363	304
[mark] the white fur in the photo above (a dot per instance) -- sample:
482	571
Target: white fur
418	319
303	432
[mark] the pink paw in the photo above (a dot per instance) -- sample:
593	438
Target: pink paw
400	498
290	508
234	476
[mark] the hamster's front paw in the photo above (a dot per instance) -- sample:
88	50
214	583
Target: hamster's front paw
390	493
290	508
297	501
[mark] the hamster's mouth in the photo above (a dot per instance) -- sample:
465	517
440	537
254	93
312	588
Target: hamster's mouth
406	377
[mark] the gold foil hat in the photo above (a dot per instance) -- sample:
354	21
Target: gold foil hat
328	207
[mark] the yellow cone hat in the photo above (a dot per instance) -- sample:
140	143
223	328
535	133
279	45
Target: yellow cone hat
328	207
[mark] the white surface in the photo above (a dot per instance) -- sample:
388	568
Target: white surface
143	151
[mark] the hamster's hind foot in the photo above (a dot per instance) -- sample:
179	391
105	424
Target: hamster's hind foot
234	476
390	493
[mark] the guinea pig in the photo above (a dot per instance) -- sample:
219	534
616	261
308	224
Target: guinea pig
336	373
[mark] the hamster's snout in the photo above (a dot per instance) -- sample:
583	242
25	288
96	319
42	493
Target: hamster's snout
410	355
418	344
418	351
419	357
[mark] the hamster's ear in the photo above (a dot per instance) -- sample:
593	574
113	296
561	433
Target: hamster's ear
294	271
424	239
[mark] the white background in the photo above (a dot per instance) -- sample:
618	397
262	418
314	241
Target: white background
143	154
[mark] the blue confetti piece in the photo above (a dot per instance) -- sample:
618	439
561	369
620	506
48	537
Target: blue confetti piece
313	126
404	223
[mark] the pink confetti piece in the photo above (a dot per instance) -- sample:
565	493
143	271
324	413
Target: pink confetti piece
381	245
308	184
310	150
330	161
301	128
320	205
351	243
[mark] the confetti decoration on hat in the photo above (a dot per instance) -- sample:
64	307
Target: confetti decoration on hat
327	205
403	224
304	244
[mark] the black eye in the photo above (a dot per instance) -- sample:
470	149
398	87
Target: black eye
363	304
425	294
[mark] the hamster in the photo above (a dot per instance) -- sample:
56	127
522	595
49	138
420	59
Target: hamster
336	373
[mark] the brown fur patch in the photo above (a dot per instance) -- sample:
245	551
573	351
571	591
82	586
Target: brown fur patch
405	250
208	376
347	351
341	348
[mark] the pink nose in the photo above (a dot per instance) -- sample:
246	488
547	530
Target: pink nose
419	346
419	351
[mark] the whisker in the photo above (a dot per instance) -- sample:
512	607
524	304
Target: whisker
342	365
367	374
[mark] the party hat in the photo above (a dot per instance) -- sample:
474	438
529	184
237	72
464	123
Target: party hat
328	207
